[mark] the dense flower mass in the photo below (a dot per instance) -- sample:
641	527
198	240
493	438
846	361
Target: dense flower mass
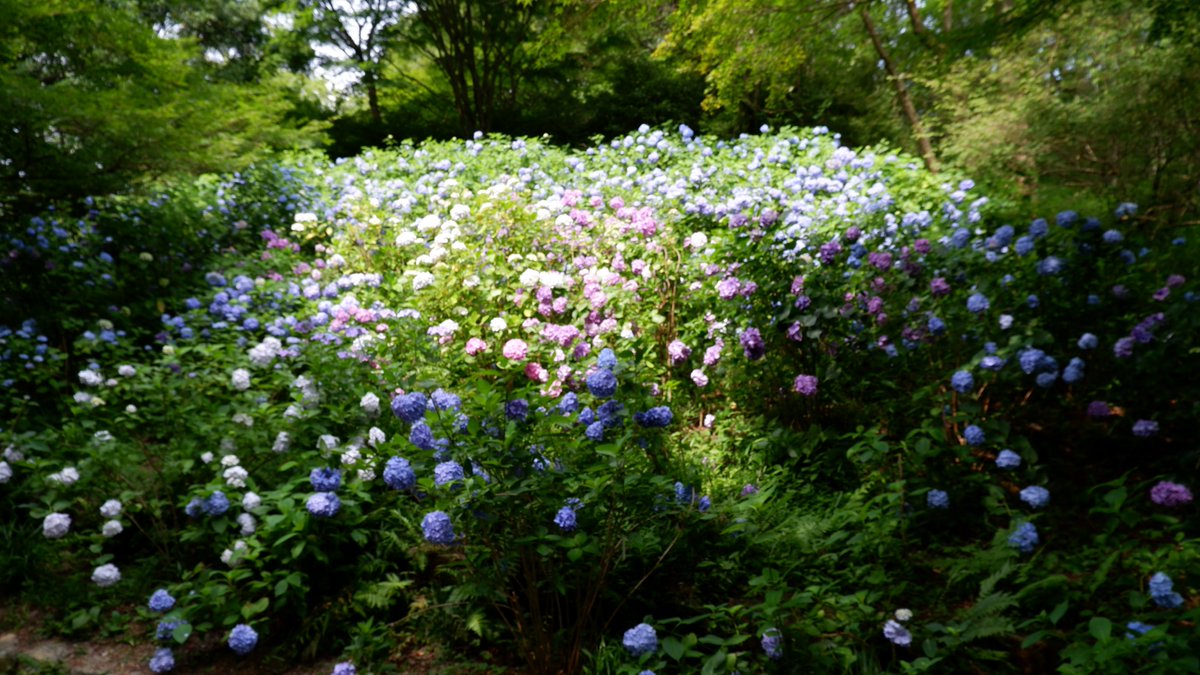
1035	496
163	660
772	643
409	407
937	499
161	601
641	639
325	479
242	639
398	474
805	385
896	633
324	504
1166	493
654	418
1024	538
437	528
1007	459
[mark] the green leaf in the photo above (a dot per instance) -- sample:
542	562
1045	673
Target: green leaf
182	632
281	587
1058	612
1100	628
257	607
674	648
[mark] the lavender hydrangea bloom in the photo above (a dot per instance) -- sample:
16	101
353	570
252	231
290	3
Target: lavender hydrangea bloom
56	525
161	601
565	519
641	639
678	352
1098	410
447	473
437	528
569	403
772	643
441	399
805	385
410	407
753	346
1025	538
517	409
163	661
1123	348
1088	341
243	638
1035	496
325	479
398	474
974	435
344	668
1145	428
1007	459
937	499
1166	493
607	359
602	383
896	633
324	504
654	418
962	381
609	413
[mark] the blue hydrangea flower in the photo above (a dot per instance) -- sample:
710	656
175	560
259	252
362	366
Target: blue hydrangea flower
1161	591
772	643
569	403
398	475
1025	538
1066	218
1007	459
654	418
607	359
344	668
517	409
1049	266
586	416
962	381
1030	359
974	435
1088	341
1046	380
163	660
1024	245
1074	371
704	504
991	362
324	504
896	633
441	399
977	303
641	639
243	638
1136	629
683	493
1145	428
194	508
325	479
937	499
166	629
161	601
602	383
1033	301
421	435
437	528
565	519
595	431
447	473
216	504
1113	237
936	326
1039	228
1035	496
610	413
410	407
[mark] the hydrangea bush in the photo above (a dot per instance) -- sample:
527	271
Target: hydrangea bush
745	396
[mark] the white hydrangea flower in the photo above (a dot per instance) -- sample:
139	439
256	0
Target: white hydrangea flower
106	575
127	371
111	508
282	441
247	523
422	280
131	409
102	436
111	528
97	402
82	397
12	454
351	457
206	457
366	475
67	476
328	442
230	460
56	525
460	212
265	352
111	382
497	324
235	476
293	411
240	379
91	378
376	436
904	614
243	418
232	557
1006	321
708	420
370	404
251	501
5	472
529	277
698	240
406	238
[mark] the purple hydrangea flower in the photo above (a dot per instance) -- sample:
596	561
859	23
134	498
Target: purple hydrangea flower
678	352
324	504
1166	493
437	528
753	346
805	385
344	668
517	409
325	479
704	504
594	431
243	638
896	633
1098	410
1145	428
1123	348
641	639
772	643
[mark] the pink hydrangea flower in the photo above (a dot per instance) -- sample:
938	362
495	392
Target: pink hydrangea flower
475	346
515	350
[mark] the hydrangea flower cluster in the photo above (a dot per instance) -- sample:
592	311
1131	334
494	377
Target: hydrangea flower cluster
243	639
641	639
1162	592
437	528
1024	538
1169	494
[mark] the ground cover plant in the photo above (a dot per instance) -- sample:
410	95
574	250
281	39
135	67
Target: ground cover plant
668	403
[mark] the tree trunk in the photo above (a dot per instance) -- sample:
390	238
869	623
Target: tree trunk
906	102
373	97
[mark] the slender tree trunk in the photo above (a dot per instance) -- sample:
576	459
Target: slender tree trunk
902	95
373	97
